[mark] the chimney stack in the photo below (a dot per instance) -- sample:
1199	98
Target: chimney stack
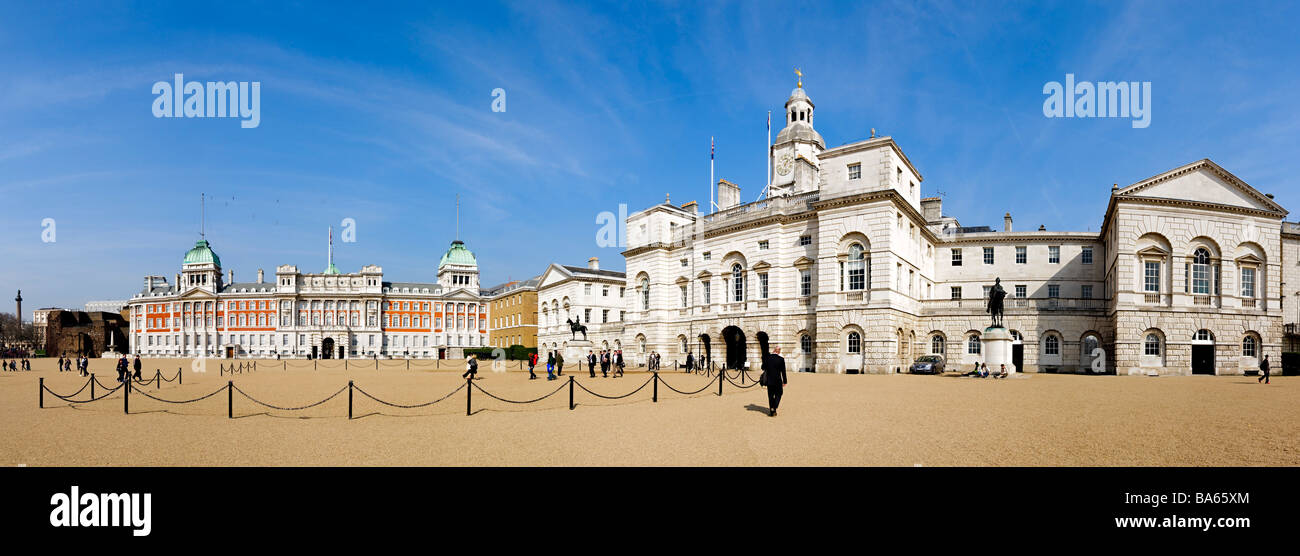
259	276
178	281
232	277
1006	222
728	195
1042	228
932	209
593	263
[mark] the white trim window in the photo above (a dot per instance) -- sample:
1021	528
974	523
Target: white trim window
1151	277
855	342
737	283
855	171
857	268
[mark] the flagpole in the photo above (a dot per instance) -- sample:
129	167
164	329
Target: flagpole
712	186
769	150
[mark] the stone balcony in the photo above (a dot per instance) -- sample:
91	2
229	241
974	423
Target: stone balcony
1014	305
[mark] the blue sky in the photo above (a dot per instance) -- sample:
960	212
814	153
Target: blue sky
383	114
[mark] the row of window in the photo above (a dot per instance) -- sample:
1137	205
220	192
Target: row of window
1021	291
187	340
1022	255
1201	276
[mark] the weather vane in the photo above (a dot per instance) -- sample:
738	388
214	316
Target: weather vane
799	73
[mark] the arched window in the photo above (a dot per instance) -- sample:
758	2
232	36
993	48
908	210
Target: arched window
857	267
973	344
1201	271
645	294
1152	345
805	343
1052	345
1248	346
738	283
855	342
936	344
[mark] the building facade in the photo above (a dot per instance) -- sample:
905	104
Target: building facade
330	314
513	306
849	269
589	295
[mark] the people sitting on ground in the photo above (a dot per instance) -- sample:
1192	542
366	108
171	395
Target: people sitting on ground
1002	373
973	372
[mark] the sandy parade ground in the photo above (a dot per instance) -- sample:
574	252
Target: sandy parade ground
900	420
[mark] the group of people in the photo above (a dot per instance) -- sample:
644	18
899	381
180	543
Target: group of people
608	360
981	370
83	365
124	369
652	361
13	365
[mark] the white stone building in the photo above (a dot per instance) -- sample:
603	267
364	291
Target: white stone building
847	268
595	297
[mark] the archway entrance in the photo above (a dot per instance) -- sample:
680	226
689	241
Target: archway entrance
327	348
1018	351
735	340
706	350
1203	353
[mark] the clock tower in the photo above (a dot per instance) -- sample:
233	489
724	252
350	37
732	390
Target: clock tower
793	157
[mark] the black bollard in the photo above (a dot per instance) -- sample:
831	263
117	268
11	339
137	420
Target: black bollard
92	386
230	399
570	393
41	403
469	394
126	398
157	379
349	399
178	376
656	392
721	376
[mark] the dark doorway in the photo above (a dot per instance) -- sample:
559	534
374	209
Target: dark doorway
1203	359
327	348
1018	357
707	350
314	352
442	353
230	352
735	340
341	348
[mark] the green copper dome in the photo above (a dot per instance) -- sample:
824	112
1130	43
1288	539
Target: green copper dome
332	269
202	254
458	254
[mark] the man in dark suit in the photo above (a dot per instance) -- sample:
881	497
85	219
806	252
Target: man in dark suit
591	363
690	362
604	364
774	379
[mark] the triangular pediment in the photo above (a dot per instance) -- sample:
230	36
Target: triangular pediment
553	275
197	293
1205	182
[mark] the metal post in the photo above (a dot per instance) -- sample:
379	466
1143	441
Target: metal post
349	399
92	386
656	393
41	403
157	379
126	398
408	364
313	364
230	399
721	376
283	364
469	394
570	392
178	376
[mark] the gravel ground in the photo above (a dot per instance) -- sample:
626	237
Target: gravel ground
1030	420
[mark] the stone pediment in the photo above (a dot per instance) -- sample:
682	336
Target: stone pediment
1205	182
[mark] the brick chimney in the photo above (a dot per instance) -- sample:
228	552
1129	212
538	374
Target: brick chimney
593	263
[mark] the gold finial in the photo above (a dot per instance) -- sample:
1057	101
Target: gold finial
668	199
799	73
873	133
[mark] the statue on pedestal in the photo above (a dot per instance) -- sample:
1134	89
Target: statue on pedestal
576	326
996	295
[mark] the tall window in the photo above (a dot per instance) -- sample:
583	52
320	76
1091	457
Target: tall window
805	343
1201	272
988	255
1248	282
737	283
1021	291
1087	255
855	342
1085	291
1054	254
956	292
1152	345
684	299
1248	346
762	286
956	257
1052	345
1053	290
936	344
1151	277
973	344
805	283
645	294
857	268
855	171
1022	255
708	293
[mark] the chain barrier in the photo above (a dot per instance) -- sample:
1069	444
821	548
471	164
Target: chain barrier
105	386
585	389
706	387
72	395
309	406
493	396
751	385
107	393
400	406
199	399
172	379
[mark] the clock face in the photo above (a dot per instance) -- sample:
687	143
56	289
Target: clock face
784	164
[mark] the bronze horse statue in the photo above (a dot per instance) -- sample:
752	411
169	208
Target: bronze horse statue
576	326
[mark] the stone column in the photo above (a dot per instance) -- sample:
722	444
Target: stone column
996	343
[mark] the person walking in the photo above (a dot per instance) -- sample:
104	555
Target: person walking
472	372
136	365
559	363
532	362
591	363
60	367
690	361
604	364
774	379
1263	369
618	363
550	365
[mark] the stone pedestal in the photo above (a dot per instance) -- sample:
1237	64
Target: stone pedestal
575	352
996	343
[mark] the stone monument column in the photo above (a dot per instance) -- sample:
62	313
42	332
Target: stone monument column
996	343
